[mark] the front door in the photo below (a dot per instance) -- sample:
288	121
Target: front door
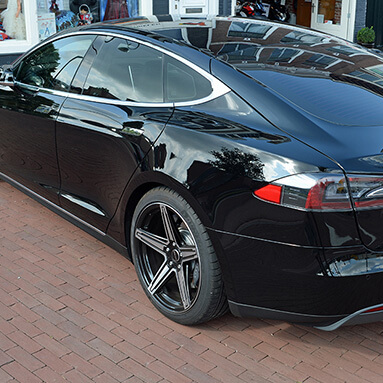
304	12
193	8
28	113
27	138
331	16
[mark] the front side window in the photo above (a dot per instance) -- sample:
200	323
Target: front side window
127	71
54	65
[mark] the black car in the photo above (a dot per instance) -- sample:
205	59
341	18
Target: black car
238	163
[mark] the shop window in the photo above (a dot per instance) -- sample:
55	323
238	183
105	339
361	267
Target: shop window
12	20
56	15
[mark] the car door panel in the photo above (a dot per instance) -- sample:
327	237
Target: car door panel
99	147
104	129
27	139
28	111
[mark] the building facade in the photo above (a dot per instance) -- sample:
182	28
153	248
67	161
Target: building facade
41	18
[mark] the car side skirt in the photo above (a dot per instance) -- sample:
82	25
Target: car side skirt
98	234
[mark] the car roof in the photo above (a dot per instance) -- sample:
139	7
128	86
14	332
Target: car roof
251	44
321	74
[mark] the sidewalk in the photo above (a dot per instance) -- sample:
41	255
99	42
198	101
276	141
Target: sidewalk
72	310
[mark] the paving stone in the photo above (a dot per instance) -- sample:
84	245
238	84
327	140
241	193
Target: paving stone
72	310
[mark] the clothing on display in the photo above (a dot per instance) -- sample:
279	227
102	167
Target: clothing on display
116	9
13	20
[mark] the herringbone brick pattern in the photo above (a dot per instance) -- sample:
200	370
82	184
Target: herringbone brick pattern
71	310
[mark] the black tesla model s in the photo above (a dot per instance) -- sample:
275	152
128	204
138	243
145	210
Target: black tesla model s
237	162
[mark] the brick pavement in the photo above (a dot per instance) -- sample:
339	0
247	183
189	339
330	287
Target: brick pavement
71	310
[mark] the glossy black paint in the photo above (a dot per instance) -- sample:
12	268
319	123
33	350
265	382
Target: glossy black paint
95	159
298	283
27	145
222	181
107	143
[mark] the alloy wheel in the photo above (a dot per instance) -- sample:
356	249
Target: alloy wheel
168	257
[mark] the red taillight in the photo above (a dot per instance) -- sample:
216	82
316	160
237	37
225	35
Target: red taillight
318	200
270	193
315	191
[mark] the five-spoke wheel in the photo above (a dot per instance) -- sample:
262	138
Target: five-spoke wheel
174	258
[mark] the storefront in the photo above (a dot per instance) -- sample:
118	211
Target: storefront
39	19
336	17
23	23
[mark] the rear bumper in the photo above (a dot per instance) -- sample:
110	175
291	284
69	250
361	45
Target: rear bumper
321	287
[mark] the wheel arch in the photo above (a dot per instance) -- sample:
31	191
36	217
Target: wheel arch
137	188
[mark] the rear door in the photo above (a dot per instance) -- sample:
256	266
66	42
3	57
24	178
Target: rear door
107	125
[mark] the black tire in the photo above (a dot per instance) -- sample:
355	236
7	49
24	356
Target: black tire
175	260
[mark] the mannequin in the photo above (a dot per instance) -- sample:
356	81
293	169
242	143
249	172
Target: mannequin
74	6
13	20
85	15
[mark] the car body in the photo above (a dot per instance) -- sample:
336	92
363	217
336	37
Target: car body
237	162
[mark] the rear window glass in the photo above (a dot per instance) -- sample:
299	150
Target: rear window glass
183	83
336	101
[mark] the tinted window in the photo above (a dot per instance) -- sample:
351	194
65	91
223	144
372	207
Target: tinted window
326	98
54	65
127	71
183	83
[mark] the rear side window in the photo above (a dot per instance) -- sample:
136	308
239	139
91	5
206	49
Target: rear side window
53	65
127	71
182	83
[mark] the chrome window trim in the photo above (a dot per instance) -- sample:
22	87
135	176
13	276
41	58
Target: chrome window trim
33	88
112	101
218	88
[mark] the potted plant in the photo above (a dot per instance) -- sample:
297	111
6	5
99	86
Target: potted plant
366	37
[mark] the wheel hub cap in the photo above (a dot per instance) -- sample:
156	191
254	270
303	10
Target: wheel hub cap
175	255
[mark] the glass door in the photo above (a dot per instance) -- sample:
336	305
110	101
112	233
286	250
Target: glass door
331	16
